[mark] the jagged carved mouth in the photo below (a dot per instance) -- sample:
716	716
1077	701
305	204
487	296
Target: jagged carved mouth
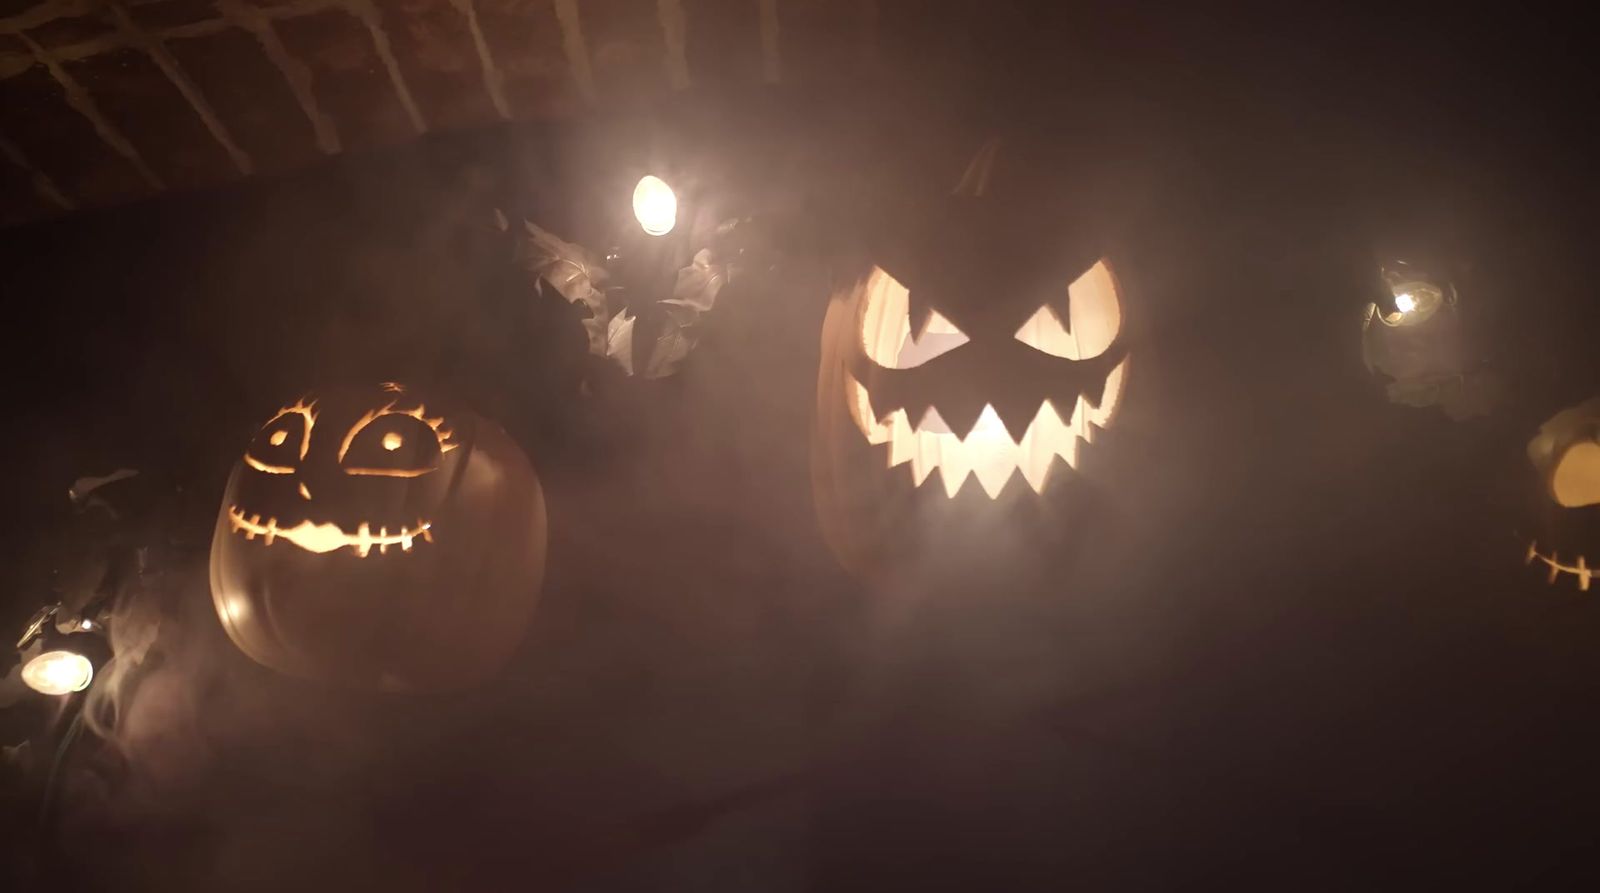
327	537
987	452
1581	569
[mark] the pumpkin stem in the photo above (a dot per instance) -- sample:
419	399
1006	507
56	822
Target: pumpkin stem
975	182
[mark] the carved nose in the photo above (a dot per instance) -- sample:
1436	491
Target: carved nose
304	493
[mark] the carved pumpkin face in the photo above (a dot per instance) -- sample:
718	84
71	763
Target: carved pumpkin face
1566	457
972	361
374	538
1056	379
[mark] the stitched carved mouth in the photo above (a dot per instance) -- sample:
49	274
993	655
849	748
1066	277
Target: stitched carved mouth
1581	570
327	537
987	452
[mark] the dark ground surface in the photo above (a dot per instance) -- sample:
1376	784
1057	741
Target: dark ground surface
1299	649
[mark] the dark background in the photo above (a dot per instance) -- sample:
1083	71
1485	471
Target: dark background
1299	648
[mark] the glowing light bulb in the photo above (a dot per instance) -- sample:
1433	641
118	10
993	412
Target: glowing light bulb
58	673
655	206
1404	302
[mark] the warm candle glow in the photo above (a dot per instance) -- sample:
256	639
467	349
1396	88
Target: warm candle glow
655	206
58	673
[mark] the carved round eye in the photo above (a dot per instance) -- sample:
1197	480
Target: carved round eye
283	441
394	443
886	334
1094	318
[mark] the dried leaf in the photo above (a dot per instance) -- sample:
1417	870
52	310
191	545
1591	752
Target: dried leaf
573	274
672	347
699	283
619	341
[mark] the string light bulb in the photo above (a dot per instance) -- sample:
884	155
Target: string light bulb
58	673
1415	296
655	205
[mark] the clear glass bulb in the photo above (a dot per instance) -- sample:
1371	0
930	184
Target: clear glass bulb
1416	299
655	205
58	673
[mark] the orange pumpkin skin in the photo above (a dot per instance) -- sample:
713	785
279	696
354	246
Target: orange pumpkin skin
374	538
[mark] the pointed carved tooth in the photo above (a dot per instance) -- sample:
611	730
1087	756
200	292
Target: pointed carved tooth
1533	552
1078	424
1110	396
1037	450
876	432
427	535
993	476
1065	436
990	452
1555	567
922	449
272	531
1583	575
932	423
363	544
952	461
902	440
952	483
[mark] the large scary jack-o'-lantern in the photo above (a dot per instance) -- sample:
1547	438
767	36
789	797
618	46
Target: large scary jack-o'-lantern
377	538
972	365
1566	457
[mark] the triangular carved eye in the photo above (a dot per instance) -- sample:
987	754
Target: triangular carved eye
886	334
1576	481
1096	317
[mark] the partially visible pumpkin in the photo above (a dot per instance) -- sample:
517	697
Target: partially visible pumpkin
1565	541
377	538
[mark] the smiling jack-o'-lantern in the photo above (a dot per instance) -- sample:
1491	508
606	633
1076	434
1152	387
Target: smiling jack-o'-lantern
971	365
1566	456
378	539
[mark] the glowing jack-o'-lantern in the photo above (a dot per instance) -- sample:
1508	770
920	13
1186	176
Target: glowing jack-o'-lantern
372	537
971	362
1566	456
